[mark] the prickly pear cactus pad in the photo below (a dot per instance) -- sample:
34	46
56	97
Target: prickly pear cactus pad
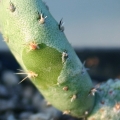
107	106
38	43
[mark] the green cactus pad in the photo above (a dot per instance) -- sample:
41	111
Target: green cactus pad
43	51
48	81
48	69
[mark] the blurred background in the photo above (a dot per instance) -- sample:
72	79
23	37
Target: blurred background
93	29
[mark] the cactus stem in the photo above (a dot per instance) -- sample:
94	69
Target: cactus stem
53	66
12	7
73	98
102	102
65	88
110	92
60	25
64	56
30	74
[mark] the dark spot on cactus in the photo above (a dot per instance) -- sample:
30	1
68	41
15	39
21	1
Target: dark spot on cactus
110	92
102	102
65	88
12	7
60	25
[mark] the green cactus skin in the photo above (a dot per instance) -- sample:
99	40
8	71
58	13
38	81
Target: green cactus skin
40	46
107	106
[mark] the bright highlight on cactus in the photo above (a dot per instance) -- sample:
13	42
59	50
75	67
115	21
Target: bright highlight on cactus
40	46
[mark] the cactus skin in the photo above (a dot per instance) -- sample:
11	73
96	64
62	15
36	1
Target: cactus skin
107	106
38	43
40	46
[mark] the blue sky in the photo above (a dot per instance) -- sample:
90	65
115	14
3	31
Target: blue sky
89	23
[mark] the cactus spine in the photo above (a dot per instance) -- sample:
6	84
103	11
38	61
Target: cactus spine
40	46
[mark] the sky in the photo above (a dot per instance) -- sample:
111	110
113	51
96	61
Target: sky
89	23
